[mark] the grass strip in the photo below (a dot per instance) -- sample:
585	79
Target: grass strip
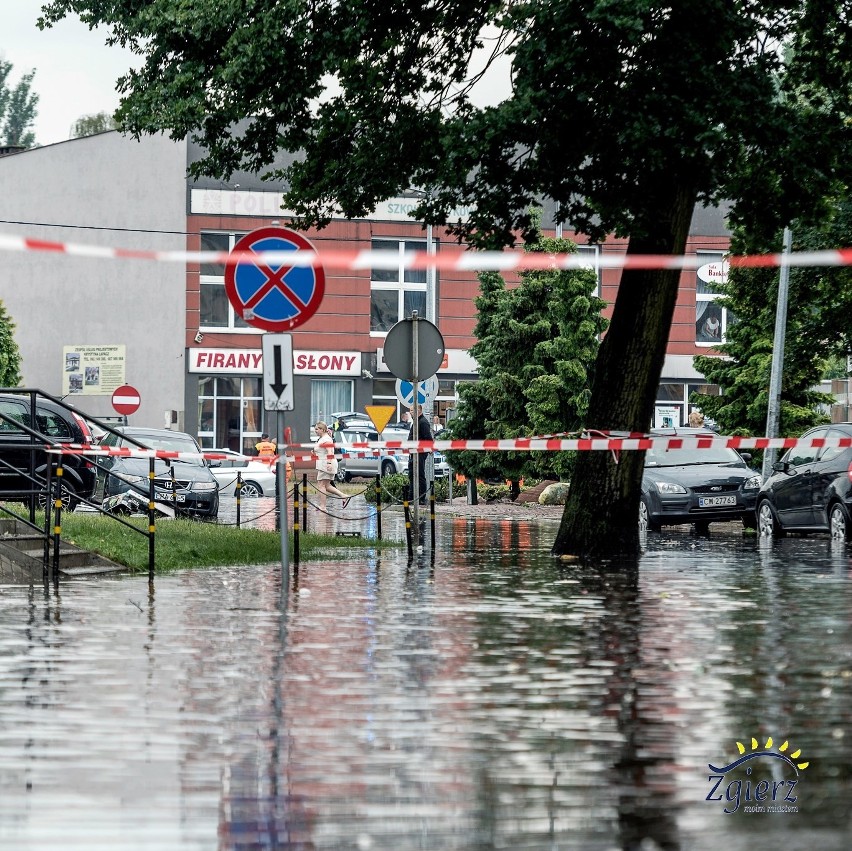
181	544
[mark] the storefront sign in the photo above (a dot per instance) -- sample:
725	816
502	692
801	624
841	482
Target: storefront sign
92	370
250	362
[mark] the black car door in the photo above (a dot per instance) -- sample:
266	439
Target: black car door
16	461
793	491
832	462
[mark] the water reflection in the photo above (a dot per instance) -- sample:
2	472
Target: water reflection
483	697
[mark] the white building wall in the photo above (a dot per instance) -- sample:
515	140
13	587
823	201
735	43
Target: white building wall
105	190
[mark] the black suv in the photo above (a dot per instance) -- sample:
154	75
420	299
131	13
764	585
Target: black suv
58	425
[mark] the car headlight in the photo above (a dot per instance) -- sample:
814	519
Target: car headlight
753	483
203	486
670	487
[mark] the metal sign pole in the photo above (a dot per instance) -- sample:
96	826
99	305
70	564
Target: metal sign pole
415	467
282	512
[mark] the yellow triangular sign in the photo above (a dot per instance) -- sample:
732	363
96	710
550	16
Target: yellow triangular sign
380	415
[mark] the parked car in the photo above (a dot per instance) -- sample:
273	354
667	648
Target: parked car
196	491
699	486
57	424
258	477
441	466
810	489
362	463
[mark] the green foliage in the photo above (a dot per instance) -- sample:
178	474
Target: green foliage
10	355
536	344
610	102
89	125
17	108
818	329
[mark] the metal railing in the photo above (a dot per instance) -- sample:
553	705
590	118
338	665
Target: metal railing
43	480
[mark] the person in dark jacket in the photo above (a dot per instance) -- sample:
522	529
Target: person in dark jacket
420	430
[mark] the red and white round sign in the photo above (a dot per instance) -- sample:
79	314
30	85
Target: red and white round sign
126	399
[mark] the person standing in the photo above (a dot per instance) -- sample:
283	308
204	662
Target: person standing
326	465
420	430
265	447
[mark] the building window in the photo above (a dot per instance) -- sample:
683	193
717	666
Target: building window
396	293
592	253
711	318
330	396
217	313
230	413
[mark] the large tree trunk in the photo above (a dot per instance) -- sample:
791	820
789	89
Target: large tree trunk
601	517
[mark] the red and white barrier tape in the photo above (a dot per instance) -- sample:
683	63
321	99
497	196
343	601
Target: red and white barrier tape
531	444
477	261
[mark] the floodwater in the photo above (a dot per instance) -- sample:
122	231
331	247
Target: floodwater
483	697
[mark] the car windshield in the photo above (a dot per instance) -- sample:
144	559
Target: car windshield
679	457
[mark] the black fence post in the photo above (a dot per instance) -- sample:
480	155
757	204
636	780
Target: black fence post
405	499
296	522
379	506
304	502
239	492
152	518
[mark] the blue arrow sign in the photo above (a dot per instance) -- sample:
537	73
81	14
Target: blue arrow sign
426	395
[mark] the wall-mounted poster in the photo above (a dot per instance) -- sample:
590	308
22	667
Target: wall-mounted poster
666	417
92	370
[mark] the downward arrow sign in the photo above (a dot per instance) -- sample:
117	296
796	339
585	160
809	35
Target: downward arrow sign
277	386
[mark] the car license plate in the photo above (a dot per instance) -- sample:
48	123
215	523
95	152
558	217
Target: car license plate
168	497
714	501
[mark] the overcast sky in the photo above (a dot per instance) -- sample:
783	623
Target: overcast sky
75	70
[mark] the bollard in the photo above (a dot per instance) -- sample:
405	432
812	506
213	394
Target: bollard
432	513
304	502
238	492
379	506
405	494
57	523
296	522
472	494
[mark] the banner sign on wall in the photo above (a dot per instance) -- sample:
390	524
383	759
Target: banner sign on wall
92	370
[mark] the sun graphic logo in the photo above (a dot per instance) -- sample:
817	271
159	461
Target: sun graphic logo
771	777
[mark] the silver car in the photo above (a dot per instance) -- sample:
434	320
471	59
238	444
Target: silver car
363	463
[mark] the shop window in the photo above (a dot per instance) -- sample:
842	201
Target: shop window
395	293
230	413
329	396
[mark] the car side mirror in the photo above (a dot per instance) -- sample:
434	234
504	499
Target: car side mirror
746	456
781	466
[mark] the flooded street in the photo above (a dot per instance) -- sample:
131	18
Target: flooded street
487	698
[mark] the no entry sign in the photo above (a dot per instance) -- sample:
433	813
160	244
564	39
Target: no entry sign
274	296
126	399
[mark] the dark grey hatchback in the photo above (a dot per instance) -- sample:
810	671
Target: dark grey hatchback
699	486
810	489
195	492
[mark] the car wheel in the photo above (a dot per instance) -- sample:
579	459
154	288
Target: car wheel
341	475
767	523
251	490
645	522
838	523
69	498
388	468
